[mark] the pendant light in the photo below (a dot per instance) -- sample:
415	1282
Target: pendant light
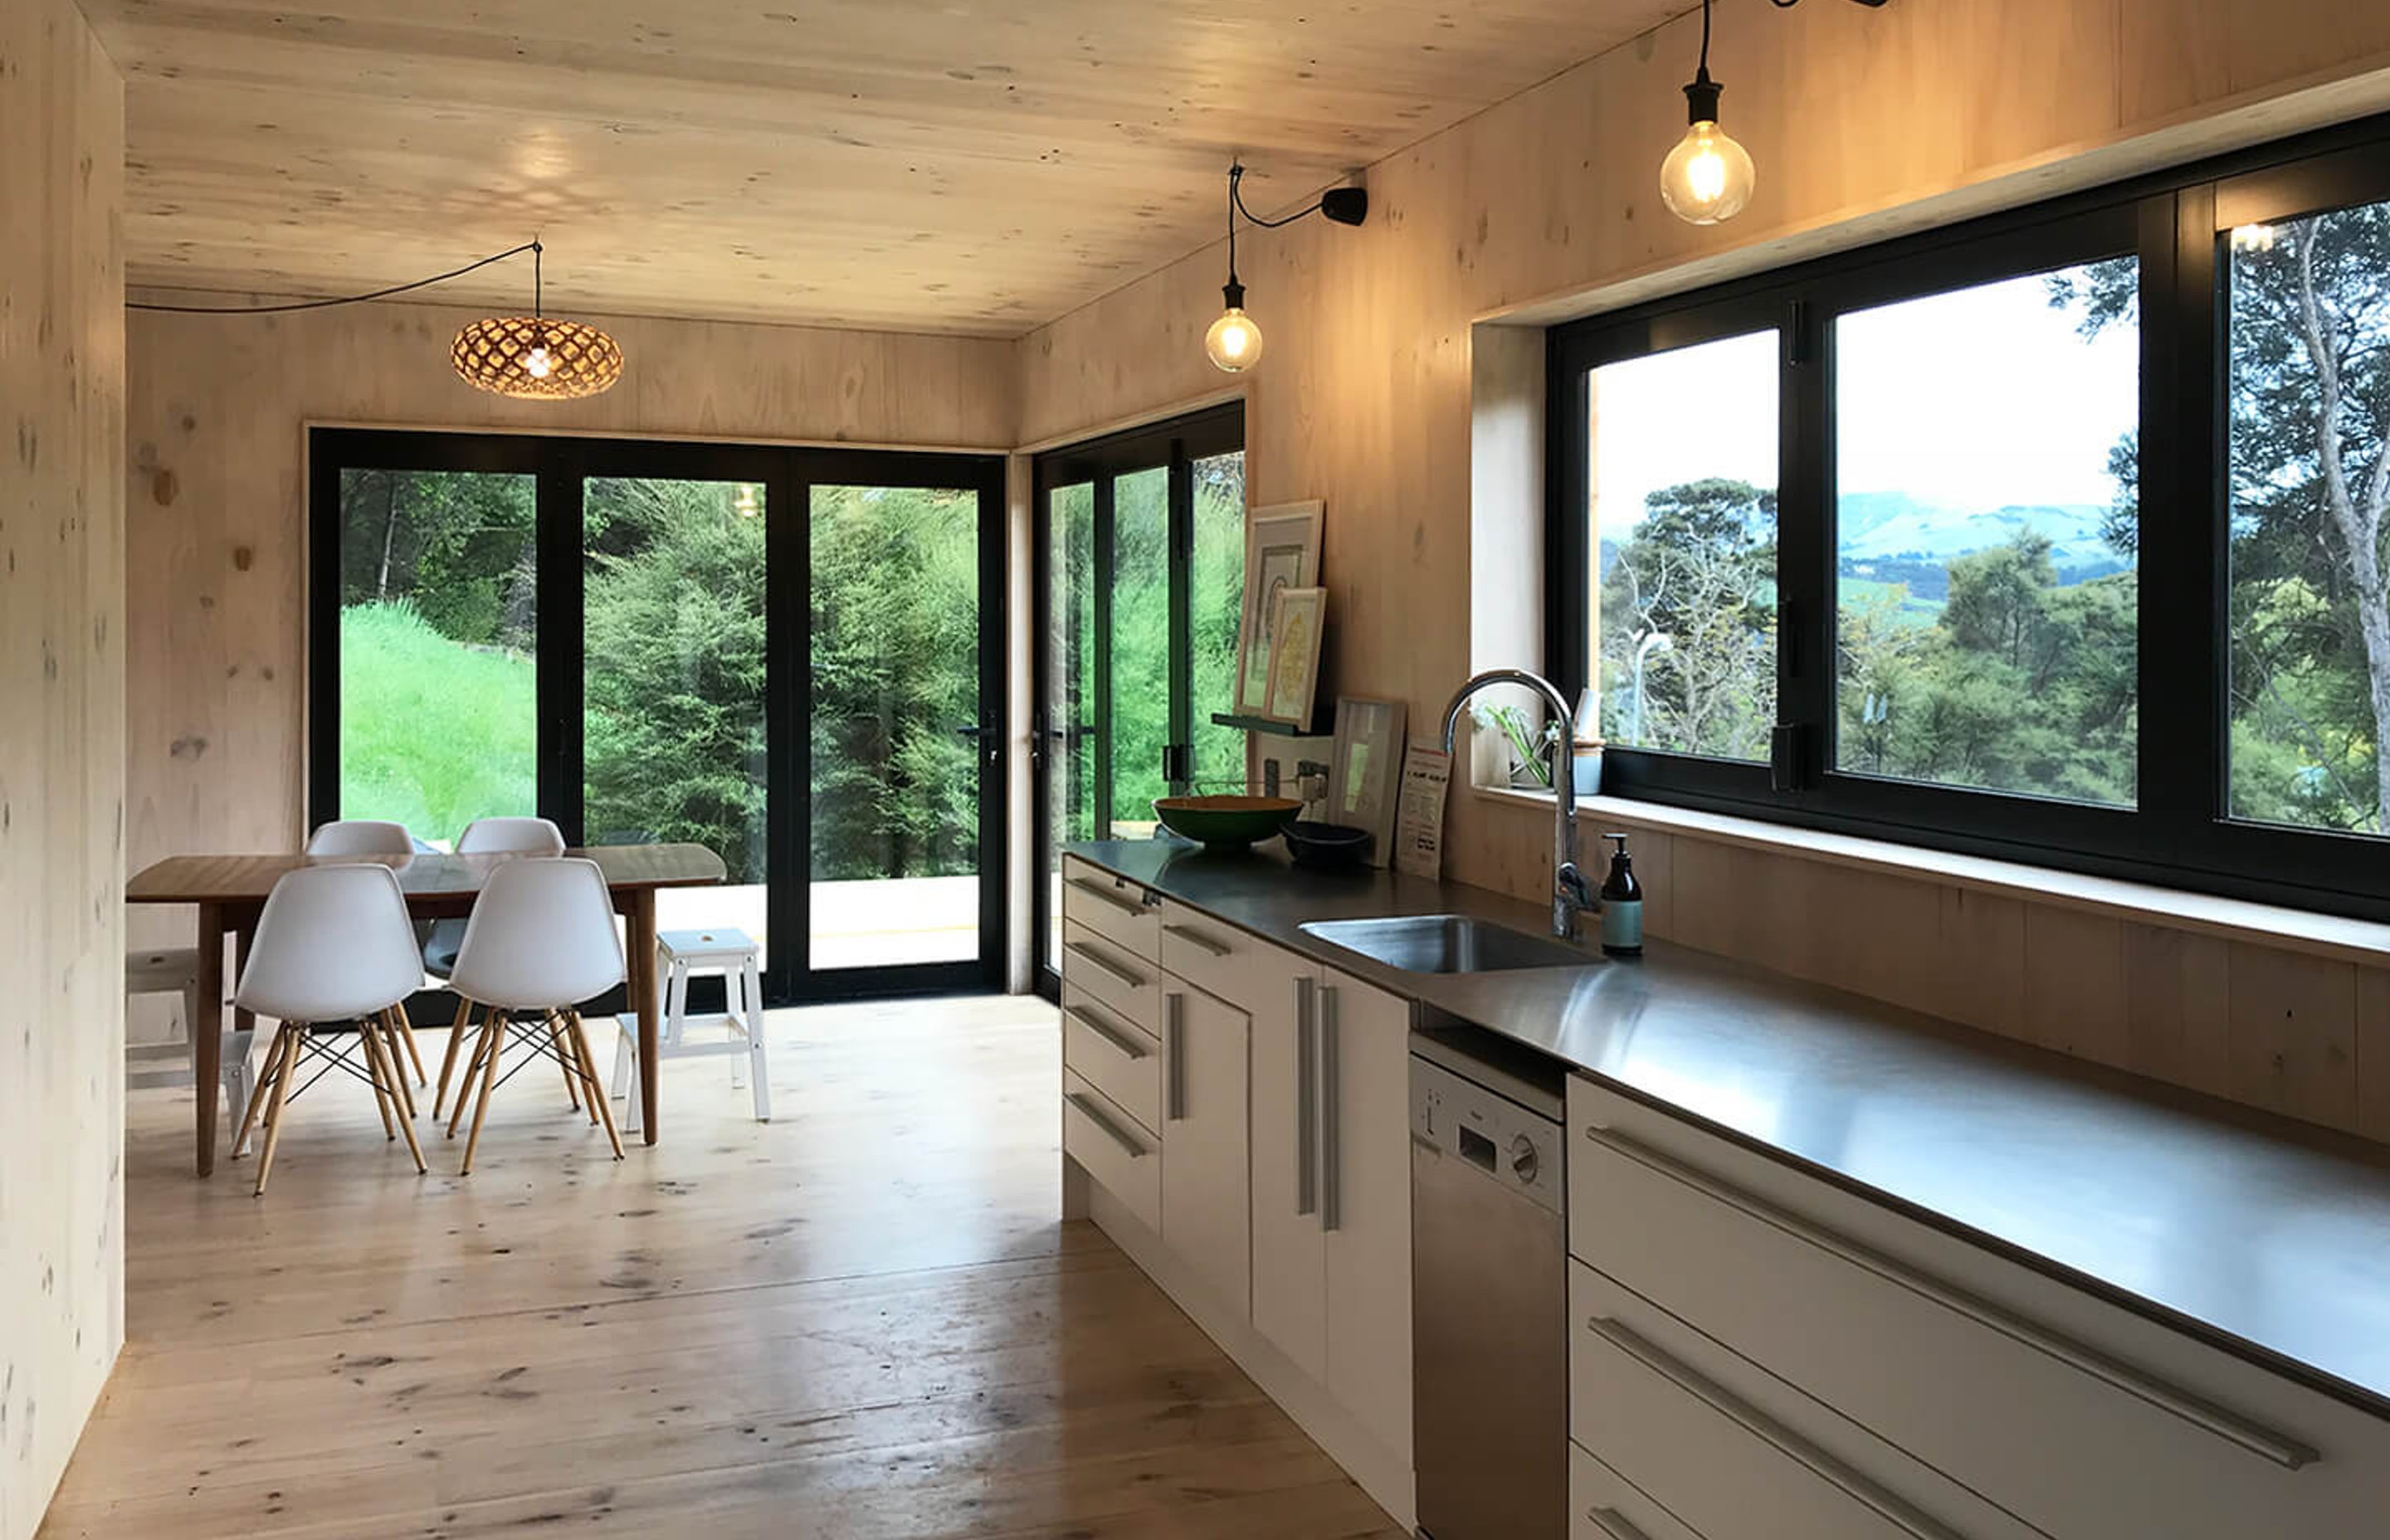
536	357
1234	341
1708	178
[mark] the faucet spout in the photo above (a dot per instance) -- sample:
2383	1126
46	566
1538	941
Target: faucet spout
1570	895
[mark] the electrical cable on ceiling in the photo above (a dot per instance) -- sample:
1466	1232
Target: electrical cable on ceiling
345	299
1236	198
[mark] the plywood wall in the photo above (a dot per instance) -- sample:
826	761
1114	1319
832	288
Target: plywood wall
61	742
1864	123
216	578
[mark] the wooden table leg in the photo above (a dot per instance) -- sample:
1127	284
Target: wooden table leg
642	971
207	1032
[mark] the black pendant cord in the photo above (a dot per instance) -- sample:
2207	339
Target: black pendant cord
1236	174
531	246
1236	206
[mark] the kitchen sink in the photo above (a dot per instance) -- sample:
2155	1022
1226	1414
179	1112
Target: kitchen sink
1445	943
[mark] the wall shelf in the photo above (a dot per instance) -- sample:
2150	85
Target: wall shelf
1323	724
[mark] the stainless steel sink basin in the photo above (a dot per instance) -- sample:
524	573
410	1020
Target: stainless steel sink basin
1445	943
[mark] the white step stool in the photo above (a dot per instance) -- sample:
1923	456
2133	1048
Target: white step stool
679	955
172	970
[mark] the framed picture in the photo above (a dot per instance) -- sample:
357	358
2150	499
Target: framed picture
1282	551
1364	786
1298	616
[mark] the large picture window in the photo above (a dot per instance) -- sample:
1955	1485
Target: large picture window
2063	536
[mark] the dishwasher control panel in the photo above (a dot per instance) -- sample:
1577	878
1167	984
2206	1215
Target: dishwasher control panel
1507	1143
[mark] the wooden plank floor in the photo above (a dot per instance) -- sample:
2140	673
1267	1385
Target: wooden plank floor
864	1319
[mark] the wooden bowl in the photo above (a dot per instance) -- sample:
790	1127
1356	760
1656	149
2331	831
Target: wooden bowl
1225	823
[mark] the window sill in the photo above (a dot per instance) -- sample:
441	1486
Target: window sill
2333	936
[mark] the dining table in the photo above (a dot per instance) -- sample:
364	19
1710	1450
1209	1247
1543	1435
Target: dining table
230	892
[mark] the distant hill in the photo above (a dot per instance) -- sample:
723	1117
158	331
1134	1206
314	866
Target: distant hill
1889	527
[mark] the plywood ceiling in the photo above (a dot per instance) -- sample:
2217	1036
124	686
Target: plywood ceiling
949	165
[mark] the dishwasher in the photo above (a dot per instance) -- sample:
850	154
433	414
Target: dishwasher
1489	1289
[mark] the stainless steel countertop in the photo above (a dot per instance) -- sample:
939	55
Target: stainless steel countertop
2246	1230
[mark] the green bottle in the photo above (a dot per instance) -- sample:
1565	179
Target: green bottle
1622	904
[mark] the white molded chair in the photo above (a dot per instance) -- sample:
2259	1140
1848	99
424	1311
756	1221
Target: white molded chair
682	954
541	940
358	836
361	837
334	946
481	837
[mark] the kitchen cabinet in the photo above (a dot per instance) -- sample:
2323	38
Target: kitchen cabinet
1331	1186
1758	1351
1205	1211
1250	1110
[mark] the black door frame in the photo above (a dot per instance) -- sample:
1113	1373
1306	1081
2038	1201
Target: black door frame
561	464
1172	446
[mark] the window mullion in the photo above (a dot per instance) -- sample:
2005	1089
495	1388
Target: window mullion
1804	556
2183	623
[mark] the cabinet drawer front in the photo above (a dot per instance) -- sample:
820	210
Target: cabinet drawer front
1127	985
1119	1156
1214	958
1721	1465
1113	1056
1112	907
2041	1419
1605	1505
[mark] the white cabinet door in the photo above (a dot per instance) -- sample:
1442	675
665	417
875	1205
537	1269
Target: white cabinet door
1290	1253
1365	1203
1205	1188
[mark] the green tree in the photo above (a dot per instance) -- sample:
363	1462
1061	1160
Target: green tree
674	637
1692	594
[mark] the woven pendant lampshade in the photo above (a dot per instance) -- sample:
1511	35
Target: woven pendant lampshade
535	357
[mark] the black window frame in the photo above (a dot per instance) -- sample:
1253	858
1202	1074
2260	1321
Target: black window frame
563	463
1175	445
2178	834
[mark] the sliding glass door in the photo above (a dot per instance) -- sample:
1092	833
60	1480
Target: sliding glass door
790	657
1139	547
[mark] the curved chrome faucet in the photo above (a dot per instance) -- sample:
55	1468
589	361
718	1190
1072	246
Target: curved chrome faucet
1571	895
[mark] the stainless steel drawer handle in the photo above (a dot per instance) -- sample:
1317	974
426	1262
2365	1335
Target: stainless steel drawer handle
1125	1044
1095	1115
1306	1097
1331	1113
1103	895
2284	1451
1197	940
1174	1055
1765	1429
1096	960
1611	1522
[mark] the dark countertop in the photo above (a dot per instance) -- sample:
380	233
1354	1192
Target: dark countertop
2269	1241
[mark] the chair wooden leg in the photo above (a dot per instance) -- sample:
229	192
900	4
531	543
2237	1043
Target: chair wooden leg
385	1099
489	1084
384	1029
288	1039
481	1050
414	1050
564	1061
272	1077
448	1061
381	1059
597	1097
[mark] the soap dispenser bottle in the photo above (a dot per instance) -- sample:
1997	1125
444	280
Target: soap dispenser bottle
1622	904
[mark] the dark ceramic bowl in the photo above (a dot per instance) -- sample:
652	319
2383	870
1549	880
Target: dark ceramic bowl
1314	844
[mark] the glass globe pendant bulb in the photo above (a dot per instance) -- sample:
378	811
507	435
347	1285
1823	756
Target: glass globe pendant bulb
1234	342
1708	178
537	364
